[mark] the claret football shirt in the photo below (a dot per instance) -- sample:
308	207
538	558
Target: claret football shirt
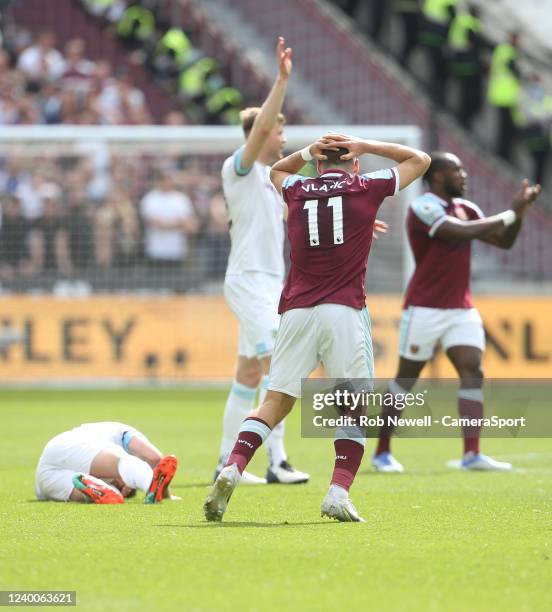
442	275
330	224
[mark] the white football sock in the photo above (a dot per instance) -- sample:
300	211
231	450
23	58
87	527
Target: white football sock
275	441
239	404
135	473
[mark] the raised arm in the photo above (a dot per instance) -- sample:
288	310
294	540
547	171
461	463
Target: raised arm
500	230
268	115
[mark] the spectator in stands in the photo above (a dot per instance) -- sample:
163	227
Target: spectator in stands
466	45
14	234
48	88
120	102
14	95
29	112
175	117
111	10
504	90
78	223
214	243
69	106
223	106
49	239
196	84
11	175
169	219
199	185
136	26
116	231
50	103
42	61
103	74
9	109
409	13
16	180
5	67
437	17
169	53
534	117
77	71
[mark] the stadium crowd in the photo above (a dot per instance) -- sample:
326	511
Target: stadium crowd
196	81
41	85
114	221
94	215
111	220
460	54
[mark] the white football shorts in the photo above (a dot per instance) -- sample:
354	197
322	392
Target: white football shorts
422	328
66	454
338	336
253	297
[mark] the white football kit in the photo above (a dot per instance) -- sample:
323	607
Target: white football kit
73	451
255	272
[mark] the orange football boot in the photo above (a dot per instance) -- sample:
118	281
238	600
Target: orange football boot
162	476
96	491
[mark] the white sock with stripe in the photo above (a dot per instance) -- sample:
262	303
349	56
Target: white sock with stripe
240	403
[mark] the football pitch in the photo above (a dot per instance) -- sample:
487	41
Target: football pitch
435	538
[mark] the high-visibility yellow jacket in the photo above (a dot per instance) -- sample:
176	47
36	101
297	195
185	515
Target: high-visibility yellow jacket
504	85
460	30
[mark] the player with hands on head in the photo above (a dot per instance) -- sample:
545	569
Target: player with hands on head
102	463
324	317
438	307
255	273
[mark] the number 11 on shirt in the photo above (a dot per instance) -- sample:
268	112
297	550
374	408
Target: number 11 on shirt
336	204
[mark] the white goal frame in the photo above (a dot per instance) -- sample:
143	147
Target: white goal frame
200	140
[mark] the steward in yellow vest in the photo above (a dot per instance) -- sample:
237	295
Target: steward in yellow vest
504	90
465	44
437	17
136	26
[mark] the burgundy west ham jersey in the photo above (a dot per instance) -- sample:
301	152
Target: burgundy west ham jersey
442	275
330	224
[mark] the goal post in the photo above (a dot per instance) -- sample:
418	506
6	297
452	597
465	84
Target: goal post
79	275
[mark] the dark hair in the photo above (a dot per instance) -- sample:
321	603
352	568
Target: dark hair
334	157
440	160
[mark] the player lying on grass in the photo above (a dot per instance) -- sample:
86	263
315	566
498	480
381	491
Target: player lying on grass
324	318
103	463
438	307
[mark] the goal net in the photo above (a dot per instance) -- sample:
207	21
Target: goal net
113	248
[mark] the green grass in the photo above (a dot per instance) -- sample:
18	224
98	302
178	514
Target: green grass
434	539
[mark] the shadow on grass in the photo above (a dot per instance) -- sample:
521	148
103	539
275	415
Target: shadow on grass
369	473
231	524
192	485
